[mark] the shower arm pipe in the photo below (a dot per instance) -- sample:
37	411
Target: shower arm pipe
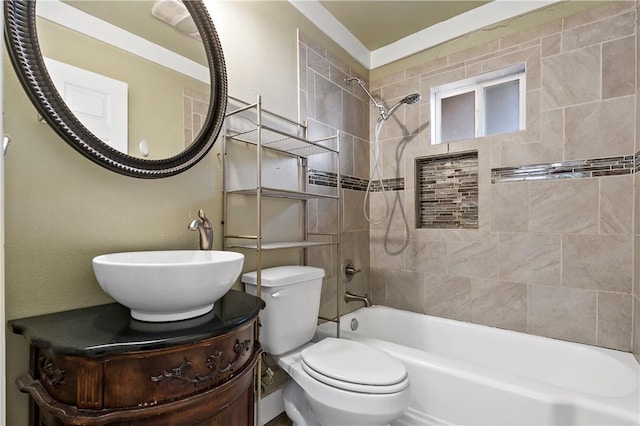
383	112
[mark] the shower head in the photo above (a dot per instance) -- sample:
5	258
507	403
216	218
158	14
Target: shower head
409	99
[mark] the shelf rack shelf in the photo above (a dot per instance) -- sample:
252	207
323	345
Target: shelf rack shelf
251	124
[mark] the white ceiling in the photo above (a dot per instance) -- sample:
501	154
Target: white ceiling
379	32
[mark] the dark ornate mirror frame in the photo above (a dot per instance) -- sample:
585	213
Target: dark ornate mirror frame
24	50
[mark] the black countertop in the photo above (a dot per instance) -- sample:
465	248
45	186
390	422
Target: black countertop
109	329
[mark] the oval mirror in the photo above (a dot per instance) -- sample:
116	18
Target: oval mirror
138	87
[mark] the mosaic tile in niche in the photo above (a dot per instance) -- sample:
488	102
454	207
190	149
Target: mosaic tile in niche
447	191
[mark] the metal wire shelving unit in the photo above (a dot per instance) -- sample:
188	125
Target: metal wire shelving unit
289	138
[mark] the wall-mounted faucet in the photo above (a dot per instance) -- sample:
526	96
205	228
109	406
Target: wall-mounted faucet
205	230
350	297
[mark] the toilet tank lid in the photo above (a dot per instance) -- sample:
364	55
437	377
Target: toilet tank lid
284	275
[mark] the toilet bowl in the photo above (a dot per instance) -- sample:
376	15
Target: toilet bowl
334	381
372	392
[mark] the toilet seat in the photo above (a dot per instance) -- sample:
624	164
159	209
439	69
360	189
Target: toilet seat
353	366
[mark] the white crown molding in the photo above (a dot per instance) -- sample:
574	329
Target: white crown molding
475	19
328	24
70	17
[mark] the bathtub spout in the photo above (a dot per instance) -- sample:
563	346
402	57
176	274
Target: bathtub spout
350	297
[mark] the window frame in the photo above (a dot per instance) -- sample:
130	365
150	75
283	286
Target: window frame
477	84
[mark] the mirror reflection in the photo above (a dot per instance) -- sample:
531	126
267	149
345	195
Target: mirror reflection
134	72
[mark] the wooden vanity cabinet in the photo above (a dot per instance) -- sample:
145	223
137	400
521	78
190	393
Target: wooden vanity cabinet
197	375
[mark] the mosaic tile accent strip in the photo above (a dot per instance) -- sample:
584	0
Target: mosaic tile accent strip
394	184
574	169
447	191
322	178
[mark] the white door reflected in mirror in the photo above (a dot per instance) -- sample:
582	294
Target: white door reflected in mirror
99	102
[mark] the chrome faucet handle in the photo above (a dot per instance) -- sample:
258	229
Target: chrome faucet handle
350	271
205	230
205	222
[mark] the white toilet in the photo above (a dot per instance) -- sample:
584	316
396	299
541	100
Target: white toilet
335	381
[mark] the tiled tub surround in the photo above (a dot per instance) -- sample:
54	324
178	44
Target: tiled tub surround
552	257
328	104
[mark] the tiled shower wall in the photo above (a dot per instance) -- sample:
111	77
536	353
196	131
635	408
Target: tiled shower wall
329	104
552	255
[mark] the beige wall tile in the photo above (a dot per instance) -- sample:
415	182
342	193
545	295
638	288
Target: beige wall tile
399	90
328	299
600	129
636	266
377	286
405	290
311	43
499	304
426	83
426	256
427	67
544	30
396	218
636	197
474	52
551	45
515	154
473	259
353	216
317	63
387	249
361	158
610	9
618	68
346	154
571	78
338	76
323	257
473	69
385	81
552	135
614	320
355	118
636	328
448	297
530	56
354	248
601	262
564	206
530	258
392	158
616	205
510	207
599	31
563	313
328	102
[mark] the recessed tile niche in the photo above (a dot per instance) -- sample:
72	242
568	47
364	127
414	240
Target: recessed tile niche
447	191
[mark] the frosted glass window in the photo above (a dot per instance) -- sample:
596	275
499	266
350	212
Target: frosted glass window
482	105
501	108
458	117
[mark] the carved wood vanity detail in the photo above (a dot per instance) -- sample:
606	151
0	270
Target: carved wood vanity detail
96	366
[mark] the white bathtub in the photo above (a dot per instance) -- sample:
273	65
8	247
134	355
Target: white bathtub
468	374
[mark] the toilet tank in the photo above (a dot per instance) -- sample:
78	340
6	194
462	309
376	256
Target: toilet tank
292	298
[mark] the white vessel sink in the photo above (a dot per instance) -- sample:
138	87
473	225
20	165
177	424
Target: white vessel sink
168	285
